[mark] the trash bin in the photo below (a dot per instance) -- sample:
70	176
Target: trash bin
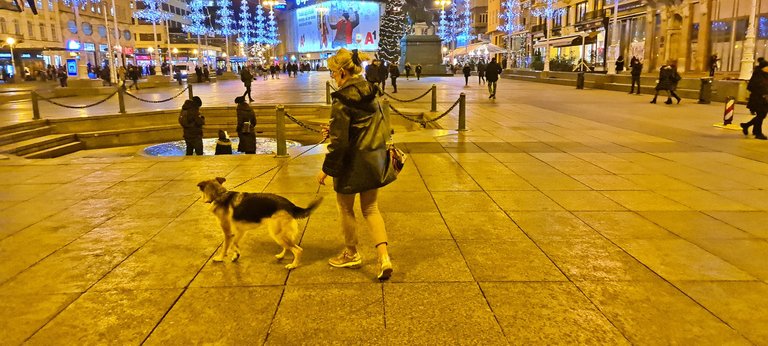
705	92
580	80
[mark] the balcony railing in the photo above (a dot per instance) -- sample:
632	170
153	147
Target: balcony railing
539	28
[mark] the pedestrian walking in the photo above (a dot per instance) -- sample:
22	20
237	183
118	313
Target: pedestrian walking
62	75
480	73
407	71
757	103
199	73
247	78
492	72
206	73
134	75
467	72
394	72
192	122
668	78
121	73
418	71
636	68
223	144
357	158
383	74
246	123
177	74
714	64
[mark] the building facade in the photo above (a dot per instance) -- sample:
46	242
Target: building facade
686	32
38	38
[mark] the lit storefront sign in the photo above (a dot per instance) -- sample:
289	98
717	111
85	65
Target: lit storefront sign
73	45
103	48
90	47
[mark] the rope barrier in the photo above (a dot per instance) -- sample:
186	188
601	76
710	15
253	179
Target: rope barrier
422	122
158	101
77	107
302	124
410	100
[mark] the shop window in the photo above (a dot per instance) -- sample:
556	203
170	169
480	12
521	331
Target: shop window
87	29
3	26
102	30
43	35
30	30
72	26
16	27
741	29
53	32
762	28
721	31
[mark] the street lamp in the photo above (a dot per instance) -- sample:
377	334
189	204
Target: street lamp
151	51
176	53
10	42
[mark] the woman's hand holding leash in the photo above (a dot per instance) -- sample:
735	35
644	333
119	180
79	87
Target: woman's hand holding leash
321	177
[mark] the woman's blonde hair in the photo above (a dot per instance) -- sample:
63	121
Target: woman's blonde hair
350	61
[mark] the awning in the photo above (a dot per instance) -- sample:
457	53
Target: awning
477	49
566	41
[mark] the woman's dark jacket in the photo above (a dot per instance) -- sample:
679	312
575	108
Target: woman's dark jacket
223	147
466	70
357	156
758	90
247	142
191	120
636	68
394	71
668	78
492	71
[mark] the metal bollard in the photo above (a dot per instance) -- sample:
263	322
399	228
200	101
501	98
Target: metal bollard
434	98
282	150
462	112
35	107
121	99
327	92
189	89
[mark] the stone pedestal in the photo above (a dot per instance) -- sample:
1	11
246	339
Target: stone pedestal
159	79
424	50
84	83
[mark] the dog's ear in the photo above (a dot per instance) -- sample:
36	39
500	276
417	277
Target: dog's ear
201	185
220	180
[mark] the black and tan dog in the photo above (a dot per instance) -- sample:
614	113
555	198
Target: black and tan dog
238	211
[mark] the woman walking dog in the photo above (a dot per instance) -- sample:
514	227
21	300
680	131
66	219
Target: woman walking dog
357	157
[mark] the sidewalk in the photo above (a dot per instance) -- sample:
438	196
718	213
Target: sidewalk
562	216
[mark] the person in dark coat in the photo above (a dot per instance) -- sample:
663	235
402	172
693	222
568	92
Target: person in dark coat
372	72
492	72
247	78
668	78
246	123
394	72
223	144
713	63
620	64
134	74
383	74
480	73
199	74
192	123
467	72
407	71
636	68
358	157
757	103
418	71
62	75
206	73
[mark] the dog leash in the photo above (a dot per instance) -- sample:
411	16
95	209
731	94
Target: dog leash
283	163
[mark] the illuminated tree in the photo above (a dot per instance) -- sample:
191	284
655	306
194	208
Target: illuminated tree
153	13
197	24
392	30
245	27
547	10
510	16
226	23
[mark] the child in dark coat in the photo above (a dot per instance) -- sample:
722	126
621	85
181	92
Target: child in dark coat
223	144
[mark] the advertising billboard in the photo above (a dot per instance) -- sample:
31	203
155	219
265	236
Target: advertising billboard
337	24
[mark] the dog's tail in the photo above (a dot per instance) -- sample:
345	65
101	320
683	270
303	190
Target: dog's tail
300	213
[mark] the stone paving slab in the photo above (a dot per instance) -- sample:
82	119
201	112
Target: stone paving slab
596	219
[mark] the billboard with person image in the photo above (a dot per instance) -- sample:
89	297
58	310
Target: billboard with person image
337	24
